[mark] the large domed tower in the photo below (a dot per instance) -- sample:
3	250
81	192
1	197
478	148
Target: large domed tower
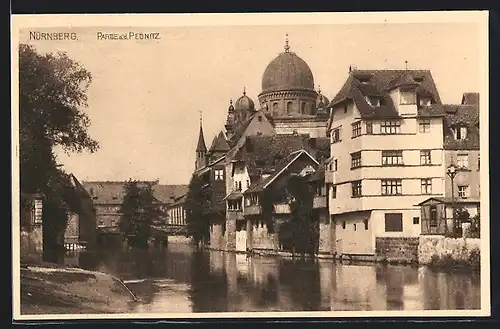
289	97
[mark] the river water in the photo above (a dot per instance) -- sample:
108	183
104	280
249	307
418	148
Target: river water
180	279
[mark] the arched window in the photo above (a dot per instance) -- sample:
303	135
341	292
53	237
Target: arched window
289	106
275	108
303	108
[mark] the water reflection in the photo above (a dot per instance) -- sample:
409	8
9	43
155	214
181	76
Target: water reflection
181	280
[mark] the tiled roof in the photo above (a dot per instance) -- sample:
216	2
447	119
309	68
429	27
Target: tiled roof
361	83
318	175
111	192
449	200
262	154
262	183
233	195
470	99
219	143
457	115
239	132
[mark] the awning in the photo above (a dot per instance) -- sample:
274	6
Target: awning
234	195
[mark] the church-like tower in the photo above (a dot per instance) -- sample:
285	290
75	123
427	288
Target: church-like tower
201	148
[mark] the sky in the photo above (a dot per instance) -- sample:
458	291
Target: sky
145	97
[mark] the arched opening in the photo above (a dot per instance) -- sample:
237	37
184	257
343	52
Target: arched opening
289	107
275	108
303	108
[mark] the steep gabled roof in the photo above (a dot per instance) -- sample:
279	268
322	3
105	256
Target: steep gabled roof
361	83
219	143
470	99
461	115
262	184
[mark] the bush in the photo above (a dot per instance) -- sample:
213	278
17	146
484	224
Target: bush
474	260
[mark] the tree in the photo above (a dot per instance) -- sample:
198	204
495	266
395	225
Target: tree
196	222
139	211
301	207
52	93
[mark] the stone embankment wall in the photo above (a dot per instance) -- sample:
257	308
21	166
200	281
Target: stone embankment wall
397	249
433	248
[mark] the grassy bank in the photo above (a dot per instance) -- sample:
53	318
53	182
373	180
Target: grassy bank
56	289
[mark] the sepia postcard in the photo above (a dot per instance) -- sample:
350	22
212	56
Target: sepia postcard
250	165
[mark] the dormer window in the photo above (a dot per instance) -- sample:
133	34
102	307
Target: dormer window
408	97
373	101
460	132
425	102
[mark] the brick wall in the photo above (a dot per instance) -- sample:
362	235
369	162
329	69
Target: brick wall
397	249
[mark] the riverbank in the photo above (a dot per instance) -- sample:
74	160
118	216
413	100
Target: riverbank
468	259
48	288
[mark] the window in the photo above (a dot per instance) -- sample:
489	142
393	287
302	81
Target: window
425	157
248	183
343	224
408	98
416	220
346	108
373	101
433	216
463	191
355	160
391	186
425	101
426	186
394	222
366	224
392	158
369	127
354	226
289	106
356	188
303	108
463	160
336	135
334	191
424	126
335	164
275	107
259	118
356	129
390	127
219	174
460	132
478	162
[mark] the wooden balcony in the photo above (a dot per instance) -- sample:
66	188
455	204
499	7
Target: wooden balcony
282	208
319	202
252	210
235	215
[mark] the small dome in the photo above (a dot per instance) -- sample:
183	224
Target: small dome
244	103
287	72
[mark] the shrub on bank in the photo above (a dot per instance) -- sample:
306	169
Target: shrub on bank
472	261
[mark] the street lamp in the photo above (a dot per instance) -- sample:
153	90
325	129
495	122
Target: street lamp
451	171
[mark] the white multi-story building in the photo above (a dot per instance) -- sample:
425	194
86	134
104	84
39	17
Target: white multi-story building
386	133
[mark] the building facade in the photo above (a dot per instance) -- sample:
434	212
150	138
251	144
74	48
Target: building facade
385	129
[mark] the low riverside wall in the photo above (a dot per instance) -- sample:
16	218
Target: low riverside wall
397	249
442	251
